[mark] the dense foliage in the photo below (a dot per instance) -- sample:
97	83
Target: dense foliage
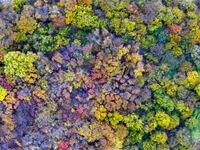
100	74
